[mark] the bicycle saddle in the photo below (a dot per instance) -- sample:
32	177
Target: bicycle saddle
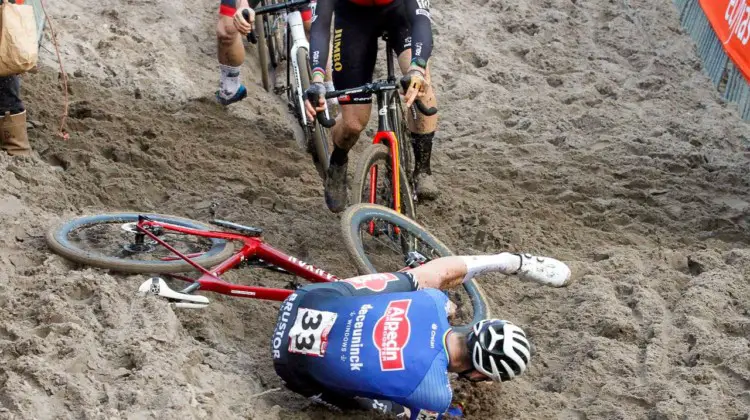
247	230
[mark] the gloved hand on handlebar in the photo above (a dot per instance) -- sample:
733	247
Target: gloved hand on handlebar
414	84
316	90
244	26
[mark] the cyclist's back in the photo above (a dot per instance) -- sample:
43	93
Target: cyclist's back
344	341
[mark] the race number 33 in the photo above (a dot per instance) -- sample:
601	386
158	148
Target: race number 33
309	334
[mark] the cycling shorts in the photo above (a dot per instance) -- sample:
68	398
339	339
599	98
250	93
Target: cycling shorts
357	30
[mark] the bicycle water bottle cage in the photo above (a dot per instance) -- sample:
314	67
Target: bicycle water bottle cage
247	230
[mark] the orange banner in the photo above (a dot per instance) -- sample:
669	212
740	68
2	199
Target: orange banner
731	22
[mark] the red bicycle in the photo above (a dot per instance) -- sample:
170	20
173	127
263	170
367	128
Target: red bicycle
169	245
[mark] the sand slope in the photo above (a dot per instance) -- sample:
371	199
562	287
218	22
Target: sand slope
579	129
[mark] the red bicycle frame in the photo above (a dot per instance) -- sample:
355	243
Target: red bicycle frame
252	248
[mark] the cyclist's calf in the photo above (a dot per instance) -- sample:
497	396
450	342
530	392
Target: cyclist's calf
353	120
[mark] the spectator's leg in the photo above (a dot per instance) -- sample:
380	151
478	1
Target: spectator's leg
13	137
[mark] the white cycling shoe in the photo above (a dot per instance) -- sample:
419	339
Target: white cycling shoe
543	270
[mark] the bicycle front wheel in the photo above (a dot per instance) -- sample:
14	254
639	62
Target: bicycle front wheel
260	32
317	136
374	181
111	241
373	256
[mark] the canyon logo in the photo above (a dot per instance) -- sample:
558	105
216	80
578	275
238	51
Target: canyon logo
375	282
392	333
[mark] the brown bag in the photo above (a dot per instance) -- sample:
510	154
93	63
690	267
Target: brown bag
19	50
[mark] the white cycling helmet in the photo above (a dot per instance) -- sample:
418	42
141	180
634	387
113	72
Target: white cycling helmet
499	349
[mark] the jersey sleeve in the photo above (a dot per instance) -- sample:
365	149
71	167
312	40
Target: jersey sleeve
320	35
421	28
371	284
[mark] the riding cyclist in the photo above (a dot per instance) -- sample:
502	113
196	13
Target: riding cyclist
383	341
231	49
357	27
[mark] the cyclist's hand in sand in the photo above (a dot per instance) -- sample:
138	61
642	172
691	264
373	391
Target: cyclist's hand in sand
316	90
414	84
243	26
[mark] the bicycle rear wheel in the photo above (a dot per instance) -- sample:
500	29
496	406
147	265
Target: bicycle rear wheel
106	241
371	256
318	143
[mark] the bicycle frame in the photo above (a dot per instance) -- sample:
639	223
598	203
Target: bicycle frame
388	101
252	248
295	33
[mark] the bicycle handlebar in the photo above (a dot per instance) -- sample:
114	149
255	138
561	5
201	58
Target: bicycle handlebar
251	37
375	87
314	98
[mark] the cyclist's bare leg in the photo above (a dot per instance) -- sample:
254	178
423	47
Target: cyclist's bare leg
231	55
423	132
423	124
349	124
231	50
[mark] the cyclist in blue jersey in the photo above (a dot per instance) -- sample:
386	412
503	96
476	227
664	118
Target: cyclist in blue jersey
383	341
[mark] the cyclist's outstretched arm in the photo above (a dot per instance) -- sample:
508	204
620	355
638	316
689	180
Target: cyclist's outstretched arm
449	272
320	38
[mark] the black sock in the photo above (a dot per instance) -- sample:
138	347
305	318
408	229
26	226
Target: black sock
422	144
339	156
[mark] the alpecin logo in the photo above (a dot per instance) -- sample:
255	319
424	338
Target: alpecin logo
392	333
375	282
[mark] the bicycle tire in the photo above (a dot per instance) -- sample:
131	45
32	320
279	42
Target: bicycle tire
260	32
403	134
373	154
355	215
57	240
271	33
317	136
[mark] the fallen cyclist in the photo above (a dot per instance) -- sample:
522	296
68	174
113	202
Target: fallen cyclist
383	341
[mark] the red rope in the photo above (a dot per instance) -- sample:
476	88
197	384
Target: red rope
62	133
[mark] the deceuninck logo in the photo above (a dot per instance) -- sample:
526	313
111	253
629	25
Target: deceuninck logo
392	333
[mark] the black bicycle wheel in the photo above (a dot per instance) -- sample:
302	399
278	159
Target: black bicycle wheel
106	241
404	136
370	259
317	136
260	32
379	157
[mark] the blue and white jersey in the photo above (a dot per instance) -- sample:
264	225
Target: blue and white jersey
361	339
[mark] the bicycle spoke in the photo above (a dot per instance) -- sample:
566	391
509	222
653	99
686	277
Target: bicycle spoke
111	240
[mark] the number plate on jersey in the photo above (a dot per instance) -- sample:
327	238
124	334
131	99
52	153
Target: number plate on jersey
309	334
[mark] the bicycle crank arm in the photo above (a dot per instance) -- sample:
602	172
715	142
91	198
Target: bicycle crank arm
157	286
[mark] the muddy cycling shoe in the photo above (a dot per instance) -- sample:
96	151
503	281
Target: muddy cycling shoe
426	188
238	96
336	193
543	270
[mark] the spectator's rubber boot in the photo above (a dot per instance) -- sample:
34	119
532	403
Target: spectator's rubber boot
13	137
